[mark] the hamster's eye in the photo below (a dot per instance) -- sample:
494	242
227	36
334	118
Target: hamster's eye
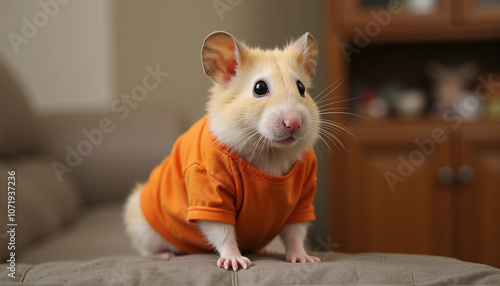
301	88
260	89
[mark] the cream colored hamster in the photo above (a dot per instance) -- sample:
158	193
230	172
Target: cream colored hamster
244	173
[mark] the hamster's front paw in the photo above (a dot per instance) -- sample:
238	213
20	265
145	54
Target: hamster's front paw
301	257
234	262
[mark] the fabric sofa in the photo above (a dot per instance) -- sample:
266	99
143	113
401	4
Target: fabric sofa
199	269
72	173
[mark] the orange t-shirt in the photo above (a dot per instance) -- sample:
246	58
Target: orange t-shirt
203	180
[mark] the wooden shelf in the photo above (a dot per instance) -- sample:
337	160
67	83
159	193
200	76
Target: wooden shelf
452	21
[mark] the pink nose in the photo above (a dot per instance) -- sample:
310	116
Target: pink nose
292	124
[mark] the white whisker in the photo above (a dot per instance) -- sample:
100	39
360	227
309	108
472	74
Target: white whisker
342	112
338	126
326	144
334	139
337	83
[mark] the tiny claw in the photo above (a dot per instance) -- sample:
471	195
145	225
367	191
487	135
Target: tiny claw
235	265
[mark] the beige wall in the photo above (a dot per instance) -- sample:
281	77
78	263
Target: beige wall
60	51
170	33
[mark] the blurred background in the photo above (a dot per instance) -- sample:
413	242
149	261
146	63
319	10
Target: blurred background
95	92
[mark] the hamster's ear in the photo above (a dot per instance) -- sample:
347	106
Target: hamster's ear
306	53
221	55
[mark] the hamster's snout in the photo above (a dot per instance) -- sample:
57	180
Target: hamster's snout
285	124
292	123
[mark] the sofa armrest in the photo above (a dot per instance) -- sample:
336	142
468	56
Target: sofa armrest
37	205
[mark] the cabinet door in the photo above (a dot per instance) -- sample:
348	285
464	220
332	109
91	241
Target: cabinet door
388	197
396	13
478	212
482	12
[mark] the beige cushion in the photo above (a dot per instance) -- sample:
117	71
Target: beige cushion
200	269
98	232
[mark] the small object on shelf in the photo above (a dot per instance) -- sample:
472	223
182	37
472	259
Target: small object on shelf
410	103
421	6
488	90
372	105
469	107
390	93
493	108
377	108
450	84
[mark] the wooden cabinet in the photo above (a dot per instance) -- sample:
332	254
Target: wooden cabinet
420	187
477	211
389	20
427	185
389	199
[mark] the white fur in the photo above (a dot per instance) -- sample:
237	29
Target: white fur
252	127
293	236
220	235
223	237
144	238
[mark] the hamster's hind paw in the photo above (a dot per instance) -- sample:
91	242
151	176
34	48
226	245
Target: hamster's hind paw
165	255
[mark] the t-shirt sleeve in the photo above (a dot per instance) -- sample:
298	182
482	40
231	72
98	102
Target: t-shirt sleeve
208	198
304	211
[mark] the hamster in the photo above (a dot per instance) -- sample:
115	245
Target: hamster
244	173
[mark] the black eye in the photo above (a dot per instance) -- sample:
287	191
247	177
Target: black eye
260	89
301	88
